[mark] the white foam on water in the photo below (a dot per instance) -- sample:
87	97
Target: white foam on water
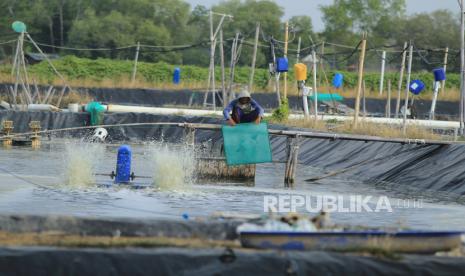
173	166
80	160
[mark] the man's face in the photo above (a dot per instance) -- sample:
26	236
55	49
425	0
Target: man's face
244	100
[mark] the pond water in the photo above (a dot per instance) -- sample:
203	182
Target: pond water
59	179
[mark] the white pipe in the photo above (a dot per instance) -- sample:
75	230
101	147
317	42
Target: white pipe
114	108
40	107
437	85
5	105
199	112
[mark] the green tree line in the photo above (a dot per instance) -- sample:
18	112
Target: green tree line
117	23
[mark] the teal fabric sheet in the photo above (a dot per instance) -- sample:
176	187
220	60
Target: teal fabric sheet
247	144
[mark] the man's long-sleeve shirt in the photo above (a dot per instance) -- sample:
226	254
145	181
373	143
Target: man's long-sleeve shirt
233	104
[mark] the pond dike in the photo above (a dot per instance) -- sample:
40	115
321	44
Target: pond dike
173	260
445	110
403	167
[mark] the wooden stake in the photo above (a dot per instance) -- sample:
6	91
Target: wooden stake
401	76
292	161
388	103
446	55
462	66
409	72
298	49
360	79
322	65
232	67
223	85
254	57
315	88
364	107
136	58
383	66
286	41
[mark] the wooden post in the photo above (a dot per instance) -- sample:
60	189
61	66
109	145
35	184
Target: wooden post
211	73
232	66
462	65
136	59
401	76
360	79
25	84
388	102
322	65
315	91
292	160
364	107
409	72
189	139
446	55
383	66
254	57
286	41
298	49
223	85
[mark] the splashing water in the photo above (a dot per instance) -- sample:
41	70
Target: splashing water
173	166
80	160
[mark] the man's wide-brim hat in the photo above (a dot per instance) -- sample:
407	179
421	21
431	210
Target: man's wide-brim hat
244	94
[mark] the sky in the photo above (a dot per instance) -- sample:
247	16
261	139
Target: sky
310	7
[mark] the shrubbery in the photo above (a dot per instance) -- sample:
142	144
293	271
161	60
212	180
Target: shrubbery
81	68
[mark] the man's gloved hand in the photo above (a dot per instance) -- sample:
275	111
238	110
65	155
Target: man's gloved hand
231	122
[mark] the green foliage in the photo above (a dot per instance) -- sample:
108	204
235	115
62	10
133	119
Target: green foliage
117	23
81	68
282	112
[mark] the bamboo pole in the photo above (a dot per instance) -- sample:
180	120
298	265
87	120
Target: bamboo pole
383	66
409	72
254	57
217	127
388	102
401	76
286	42
364	107
315	88
462	65
223	84
136	59
446	55
232	66
322	65
360	79
298	49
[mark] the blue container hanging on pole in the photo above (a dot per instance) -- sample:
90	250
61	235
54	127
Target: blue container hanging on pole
282	65
177	75
123	165
338	80
416	86
439	74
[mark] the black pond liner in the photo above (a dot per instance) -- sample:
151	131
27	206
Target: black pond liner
40	261
36	260
403	167
434	168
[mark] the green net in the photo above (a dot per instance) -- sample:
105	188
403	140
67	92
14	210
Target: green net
96	111
327	97
247	144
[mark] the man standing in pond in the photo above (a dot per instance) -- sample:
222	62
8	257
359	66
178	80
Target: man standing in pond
244	109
